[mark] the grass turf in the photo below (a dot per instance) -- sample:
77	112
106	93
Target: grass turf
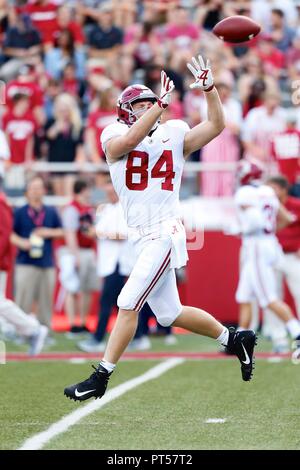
187	342
35	399
166	413
170	413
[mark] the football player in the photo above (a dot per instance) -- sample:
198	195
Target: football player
259	211
146	161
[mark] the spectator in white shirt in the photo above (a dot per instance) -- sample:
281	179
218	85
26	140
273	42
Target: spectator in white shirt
260	125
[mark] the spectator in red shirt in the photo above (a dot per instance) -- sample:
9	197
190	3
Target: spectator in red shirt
98	118
65	140
286	151
289	238
65	21
43	14
20	125
26	83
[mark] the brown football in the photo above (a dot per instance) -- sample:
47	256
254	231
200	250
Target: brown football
236	29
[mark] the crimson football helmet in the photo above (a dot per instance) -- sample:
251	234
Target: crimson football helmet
130	95
248	171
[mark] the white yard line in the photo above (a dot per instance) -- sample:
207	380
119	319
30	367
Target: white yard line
215	420
41	439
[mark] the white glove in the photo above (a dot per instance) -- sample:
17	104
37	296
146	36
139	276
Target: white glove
202	73
167	86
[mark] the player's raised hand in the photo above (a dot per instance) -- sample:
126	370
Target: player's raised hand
202	74
167	86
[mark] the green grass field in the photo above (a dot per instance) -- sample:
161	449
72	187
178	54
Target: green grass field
169	412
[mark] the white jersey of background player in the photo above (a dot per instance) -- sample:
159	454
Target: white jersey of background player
146	161
258	210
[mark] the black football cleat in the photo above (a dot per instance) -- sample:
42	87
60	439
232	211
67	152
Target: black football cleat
242	343
94	386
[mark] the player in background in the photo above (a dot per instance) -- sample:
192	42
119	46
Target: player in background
259	212
146	161
289	270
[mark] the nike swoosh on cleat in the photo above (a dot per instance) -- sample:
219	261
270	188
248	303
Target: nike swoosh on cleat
247	361
81	394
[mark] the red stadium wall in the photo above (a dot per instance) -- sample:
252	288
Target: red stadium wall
212	276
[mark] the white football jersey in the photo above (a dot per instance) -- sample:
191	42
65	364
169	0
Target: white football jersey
147	180
259	217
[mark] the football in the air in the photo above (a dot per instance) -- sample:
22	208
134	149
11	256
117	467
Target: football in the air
236	29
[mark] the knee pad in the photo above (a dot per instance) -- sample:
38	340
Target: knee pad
166	315
165	321
125	301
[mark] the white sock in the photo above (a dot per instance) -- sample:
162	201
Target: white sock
223	338
293	327
107	365
240	328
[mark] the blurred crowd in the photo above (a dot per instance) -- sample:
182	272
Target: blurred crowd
64	63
